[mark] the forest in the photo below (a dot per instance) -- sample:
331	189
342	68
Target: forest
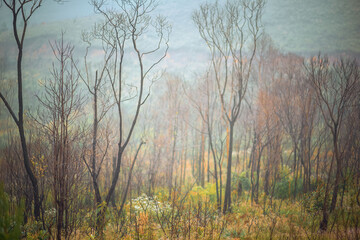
101	139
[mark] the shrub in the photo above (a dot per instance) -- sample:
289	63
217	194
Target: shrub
282	187
204	194
245	181
147	204
314	201
11	217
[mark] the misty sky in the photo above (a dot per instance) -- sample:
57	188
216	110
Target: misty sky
300	26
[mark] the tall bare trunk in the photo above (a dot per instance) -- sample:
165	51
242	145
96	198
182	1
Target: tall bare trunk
227	200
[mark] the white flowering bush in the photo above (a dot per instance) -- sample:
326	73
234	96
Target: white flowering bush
50	215
150	205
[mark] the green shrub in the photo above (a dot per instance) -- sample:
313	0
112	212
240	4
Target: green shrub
11	217
208	193
314	201
282	186
245	181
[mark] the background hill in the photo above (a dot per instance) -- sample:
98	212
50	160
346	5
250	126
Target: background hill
303	27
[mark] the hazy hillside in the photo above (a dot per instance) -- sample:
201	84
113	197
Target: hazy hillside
304	27
295	25
307	26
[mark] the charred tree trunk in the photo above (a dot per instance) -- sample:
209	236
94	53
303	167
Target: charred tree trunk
295	170
227	200
171	167
19	120
211	146
325	219
338	171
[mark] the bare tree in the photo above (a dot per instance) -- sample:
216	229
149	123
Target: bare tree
288	87
205	102
266	118
156	156
172	96
335	87
101	103
122	33
231	32
21	12
62	104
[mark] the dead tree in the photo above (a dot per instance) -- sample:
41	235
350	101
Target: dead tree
173	111
231	32
204	101
61	107
22	11
122	33
335	85
96	86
